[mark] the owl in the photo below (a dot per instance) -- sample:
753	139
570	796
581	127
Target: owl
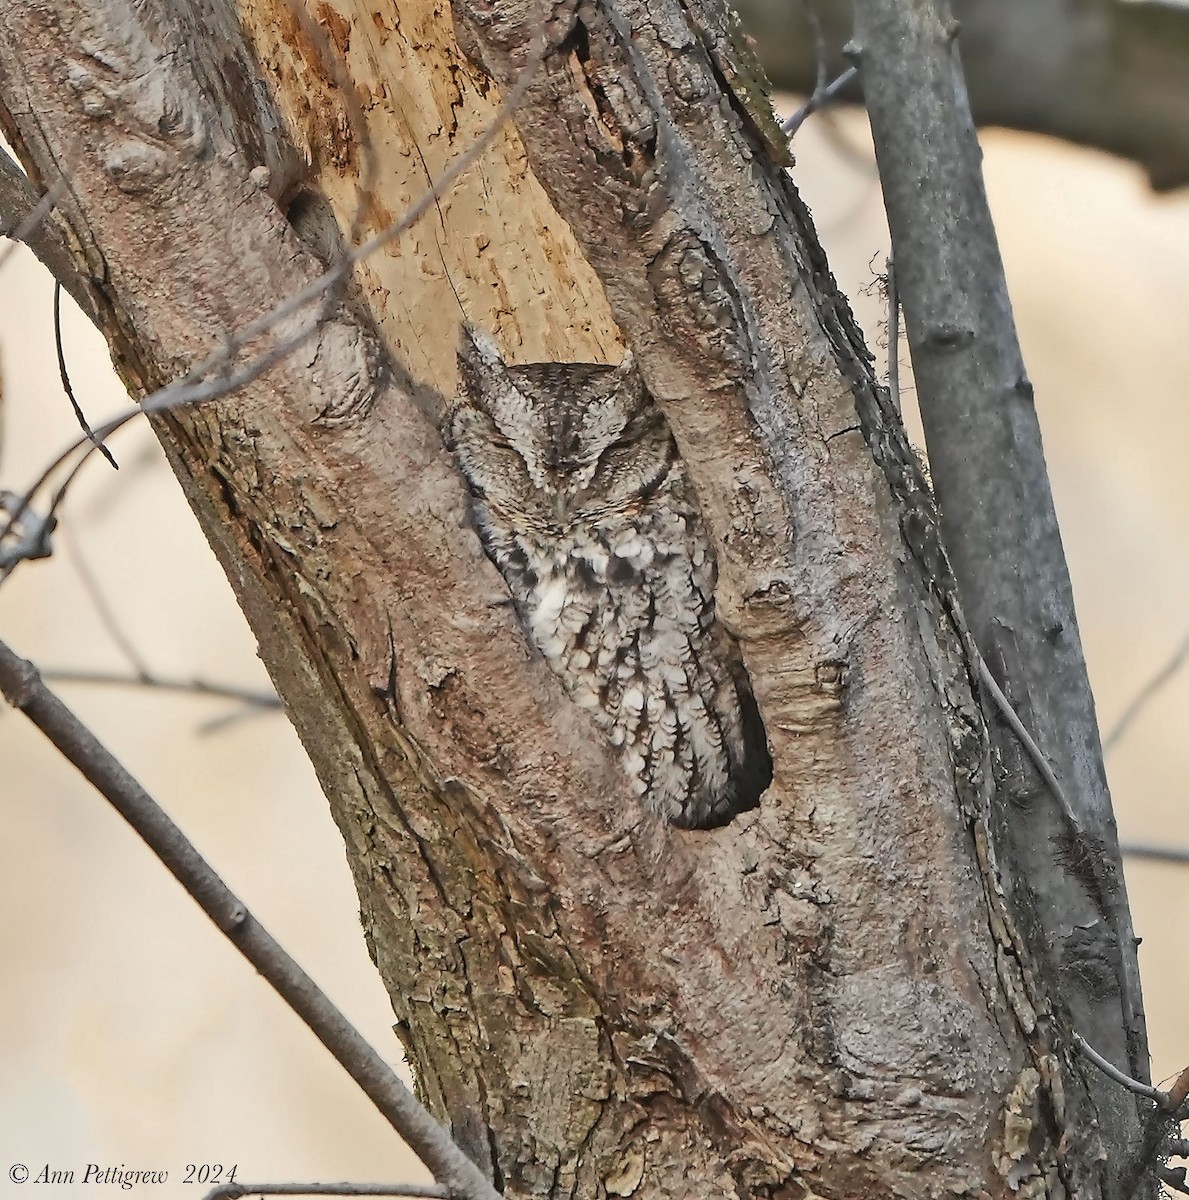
582	502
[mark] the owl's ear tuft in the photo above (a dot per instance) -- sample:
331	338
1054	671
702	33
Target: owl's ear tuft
475	346
627	383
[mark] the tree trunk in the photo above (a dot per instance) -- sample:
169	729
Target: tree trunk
829	995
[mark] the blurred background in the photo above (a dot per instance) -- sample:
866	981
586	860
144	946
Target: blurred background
131	1033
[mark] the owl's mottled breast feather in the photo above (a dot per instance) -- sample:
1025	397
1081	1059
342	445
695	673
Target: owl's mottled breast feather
583	504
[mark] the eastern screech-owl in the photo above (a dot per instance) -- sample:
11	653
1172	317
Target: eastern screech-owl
583	504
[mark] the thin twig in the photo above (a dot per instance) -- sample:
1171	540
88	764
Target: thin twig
893	338
175	395
25	534
1146	1090
233	1191
225	720
1175	662
1026	740
23	688
193	687
64	375
1168	854
103	609
984	672
1179	1092
46	239
37	214
820	98
819	44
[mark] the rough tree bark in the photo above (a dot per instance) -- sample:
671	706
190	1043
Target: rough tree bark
829	995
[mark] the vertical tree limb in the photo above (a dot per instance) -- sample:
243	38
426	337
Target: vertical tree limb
997	517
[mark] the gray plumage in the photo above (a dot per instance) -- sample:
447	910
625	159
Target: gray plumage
582	502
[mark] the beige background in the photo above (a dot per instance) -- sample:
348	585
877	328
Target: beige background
130	1033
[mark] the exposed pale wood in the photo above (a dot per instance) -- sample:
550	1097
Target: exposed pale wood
493	252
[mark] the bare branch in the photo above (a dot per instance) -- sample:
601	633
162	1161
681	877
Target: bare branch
193	687
1175	662
1179	1091
64	375
893	339
1168	854
1027	741
988	680
1120	1077
36	215
1110	74
175	395
23	688
25	534
999	524
820	98
106	613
